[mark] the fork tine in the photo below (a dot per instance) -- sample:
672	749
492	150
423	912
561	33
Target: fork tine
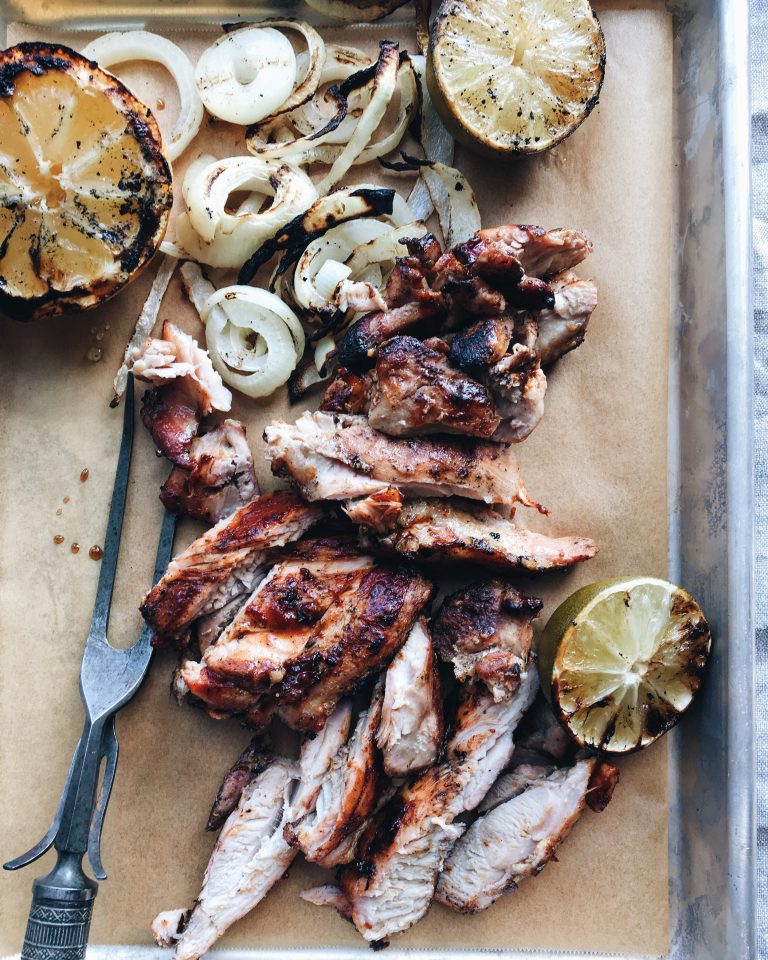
106	584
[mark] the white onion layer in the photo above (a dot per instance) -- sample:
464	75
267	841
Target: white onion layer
119	47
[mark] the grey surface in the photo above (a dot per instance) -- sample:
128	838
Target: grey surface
759	38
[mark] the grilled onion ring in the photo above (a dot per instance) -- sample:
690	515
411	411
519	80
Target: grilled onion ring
119	47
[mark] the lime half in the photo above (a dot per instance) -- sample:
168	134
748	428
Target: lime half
515	76
621	660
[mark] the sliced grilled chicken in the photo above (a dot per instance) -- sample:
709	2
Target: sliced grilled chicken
517	386
416	390
340	457
319	622
348	392
177	355
185	389
459	530
328	834
411	307
513	782
244	860
485	631
248	765
326	895
541	736
482	344
392	881
514	841
379	511
541	253
204	577
411	730
219	479
563	326
250	854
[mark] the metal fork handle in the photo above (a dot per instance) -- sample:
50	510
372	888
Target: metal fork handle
60	914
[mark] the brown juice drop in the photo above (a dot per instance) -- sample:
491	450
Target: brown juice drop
160	105
84	474
59	512
95	553
58	538
75	548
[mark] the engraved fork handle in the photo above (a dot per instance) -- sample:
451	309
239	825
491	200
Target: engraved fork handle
60	915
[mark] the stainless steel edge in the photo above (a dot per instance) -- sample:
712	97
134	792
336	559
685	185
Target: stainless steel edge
711	829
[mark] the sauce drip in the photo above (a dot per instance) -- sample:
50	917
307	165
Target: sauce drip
59	512
58	538
84	474
160	105
95	553
66	499
75	548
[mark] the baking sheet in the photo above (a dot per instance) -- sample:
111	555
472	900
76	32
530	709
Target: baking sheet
598	460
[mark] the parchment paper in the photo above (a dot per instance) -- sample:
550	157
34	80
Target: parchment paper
598	460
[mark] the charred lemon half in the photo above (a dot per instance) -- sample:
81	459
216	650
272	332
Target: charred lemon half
515	76
621	660
85	190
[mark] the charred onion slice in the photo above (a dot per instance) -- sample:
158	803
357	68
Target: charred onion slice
333	246
384	84
436	142
346	204
120	47
454	201
213	235
353	12
246	74
340	63
383	249
251	340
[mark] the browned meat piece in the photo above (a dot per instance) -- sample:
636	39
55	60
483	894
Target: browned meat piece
513	841
340	458
369	630
485	631
517	385
435	530
541	253
249	764
186	388
416	391
531	293
358	346
411	730
206	575
425	250
392	881
411	307
482	344
601	786
321	621
328	834
219	479
379	511
348	392
172	415
563	326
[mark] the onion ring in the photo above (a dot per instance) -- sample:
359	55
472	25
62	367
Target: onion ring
213	235
254	373
112	48
384	83
340	64
247	74
326	212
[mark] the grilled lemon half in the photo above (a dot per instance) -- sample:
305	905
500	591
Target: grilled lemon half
622	659
85	190
515	76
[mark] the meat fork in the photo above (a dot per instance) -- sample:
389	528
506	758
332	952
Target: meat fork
62	901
